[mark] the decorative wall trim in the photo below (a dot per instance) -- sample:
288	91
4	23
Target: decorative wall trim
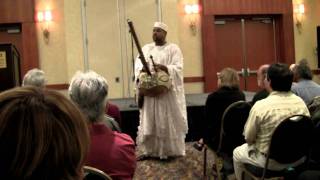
58	86
316	71
186	80
193	79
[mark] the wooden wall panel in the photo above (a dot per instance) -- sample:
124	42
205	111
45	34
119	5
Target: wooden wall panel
12	11
281	9
30	47
22	11
245	6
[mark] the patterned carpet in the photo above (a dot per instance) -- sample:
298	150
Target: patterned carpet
188	167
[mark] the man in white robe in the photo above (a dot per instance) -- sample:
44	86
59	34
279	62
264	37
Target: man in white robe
163	119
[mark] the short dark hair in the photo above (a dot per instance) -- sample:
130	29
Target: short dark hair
43	135
303	71
280	77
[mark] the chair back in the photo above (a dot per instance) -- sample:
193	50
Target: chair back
91	173
315	148
314	105
232	124
291	140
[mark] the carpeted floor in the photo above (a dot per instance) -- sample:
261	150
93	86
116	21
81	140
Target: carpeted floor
188	167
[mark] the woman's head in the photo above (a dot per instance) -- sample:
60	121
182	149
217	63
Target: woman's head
228	77
42	135
89	91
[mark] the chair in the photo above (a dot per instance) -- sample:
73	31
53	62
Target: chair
91	173
290	142
314	105
232	123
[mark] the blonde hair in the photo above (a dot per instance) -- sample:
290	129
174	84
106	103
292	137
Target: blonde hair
228	78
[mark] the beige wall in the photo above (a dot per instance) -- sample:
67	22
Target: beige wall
109	44
306	35
73	37
52	52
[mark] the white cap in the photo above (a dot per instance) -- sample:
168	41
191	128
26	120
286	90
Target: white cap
161	25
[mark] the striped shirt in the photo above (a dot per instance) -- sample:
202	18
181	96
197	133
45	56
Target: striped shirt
267	114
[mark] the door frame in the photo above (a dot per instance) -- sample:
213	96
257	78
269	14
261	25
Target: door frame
246	71
281	10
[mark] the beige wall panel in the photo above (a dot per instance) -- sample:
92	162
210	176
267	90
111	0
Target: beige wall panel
190	41
73	37
104	49
305	36
52	51
193	88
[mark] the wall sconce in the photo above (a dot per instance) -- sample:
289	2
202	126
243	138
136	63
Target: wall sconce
45	17
299	11
192	10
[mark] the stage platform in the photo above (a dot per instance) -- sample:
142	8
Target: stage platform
195	113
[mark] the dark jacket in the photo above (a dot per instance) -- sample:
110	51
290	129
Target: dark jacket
259	95
216	103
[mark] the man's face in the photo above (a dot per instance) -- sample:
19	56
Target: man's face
158	35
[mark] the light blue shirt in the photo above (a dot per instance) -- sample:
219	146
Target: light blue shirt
306	89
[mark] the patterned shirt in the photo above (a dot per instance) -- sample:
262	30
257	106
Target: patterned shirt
267	114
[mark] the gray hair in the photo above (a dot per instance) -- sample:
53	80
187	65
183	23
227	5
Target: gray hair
303	71
34	77
89	91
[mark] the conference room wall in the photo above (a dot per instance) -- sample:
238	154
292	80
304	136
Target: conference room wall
64	54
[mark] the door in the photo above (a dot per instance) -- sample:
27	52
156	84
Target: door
245	43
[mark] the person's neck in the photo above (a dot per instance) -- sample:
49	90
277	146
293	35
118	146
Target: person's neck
160	43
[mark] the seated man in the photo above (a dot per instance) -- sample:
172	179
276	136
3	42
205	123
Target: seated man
305	87
265	116
261	76
110	151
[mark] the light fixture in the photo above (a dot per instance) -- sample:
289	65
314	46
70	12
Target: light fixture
191	11
299	11
45	17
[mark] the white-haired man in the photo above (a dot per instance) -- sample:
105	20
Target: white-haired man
163	118
34	77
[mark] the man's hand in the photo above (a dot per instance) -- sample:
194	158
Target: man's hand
161	67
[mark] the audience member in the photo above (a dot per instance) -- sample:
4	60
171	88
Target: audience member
113	111
305	87
265	116
227	93
293	68
110	151
42	136
34	77
261	78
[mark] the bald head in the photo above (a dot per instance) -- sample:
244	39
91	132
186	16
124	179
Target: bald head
261	74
